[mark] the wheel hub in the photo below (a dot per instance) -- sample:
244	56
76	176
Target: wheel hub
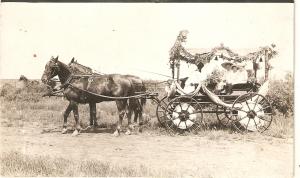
184	115
251	114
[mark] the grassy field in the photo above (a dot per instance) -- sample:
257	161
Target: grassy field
27	109
17	164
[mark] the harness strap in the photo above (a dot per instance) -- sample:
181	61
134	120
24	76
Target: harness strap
112	97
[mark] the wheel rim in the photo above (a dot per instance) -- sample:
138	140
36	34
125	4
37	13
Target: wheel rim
251	112
160	111
183	114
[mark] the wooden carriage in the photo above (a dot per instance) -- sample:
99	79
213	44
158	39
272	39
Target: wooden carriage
246	109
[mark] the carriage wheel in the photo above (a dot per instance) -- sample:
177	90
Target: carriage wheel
223	116
160	110
251	112
182	114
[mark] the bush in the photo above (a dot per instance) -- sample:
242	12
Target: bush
281	95
27	93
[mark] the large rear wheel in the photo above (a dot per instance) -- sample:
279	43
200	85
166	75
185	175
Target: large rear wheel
251	112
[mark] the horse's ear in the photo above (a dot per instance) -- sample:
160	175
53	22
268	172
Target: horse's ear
72	60
55	59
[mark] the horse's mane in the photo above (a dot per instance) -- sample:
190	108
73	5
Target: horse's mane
79	68
83	66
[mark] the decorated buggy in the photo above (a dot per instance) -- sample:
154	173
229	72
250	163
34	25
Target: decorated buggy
245	107
242	105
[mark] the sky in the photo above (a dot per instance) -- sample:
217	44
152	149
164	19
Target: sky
136	38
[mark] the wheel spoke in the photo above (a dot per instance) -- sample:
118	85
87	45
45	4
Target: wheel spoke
180	107
262	118
256	102
179	123
255	124
251	96
248	105
188	107
164	102
239	109
242	118
247	124
186	125
262	109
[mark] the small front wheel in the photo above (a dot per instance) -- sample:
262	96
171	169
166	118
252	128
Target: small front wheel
183	114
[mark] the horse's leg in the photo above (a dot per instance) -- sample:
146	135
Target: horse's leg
93	119
66	115
95	116
76	117
136	114
130	109
122	107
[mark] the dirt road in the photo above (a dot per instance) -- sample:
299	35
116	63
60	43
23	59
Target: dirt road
230	155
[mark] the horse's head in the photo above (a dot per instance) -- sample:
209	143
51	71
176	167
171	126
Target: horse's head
51	70
77	68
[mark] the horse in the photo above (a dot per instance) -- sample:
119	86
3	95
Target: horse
135	105
83	90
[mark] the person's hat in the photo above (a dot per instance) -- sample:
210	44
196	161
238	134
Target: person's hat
224	64
183	33
234	65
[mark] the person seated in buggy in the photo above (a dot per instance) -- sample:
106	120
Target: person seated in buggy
236	78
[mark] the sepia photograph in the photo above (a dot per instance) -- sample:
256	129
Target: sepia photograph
147	89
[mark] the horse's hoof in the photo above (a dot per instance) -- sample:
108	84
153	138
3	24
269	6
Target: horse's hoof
116	133
128	132
75	133
64	131
140	130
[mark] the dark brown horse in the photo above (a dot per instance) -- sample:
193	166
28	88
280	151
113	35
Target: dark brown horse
135	105
81	91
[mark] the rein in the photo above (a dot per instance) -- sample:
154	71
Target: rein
118	97
68	84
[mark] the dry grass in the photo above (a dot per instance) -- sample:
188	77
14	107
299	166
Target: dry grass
18	164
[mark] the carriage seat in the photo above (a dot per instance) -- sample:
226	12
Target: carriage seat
247	87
